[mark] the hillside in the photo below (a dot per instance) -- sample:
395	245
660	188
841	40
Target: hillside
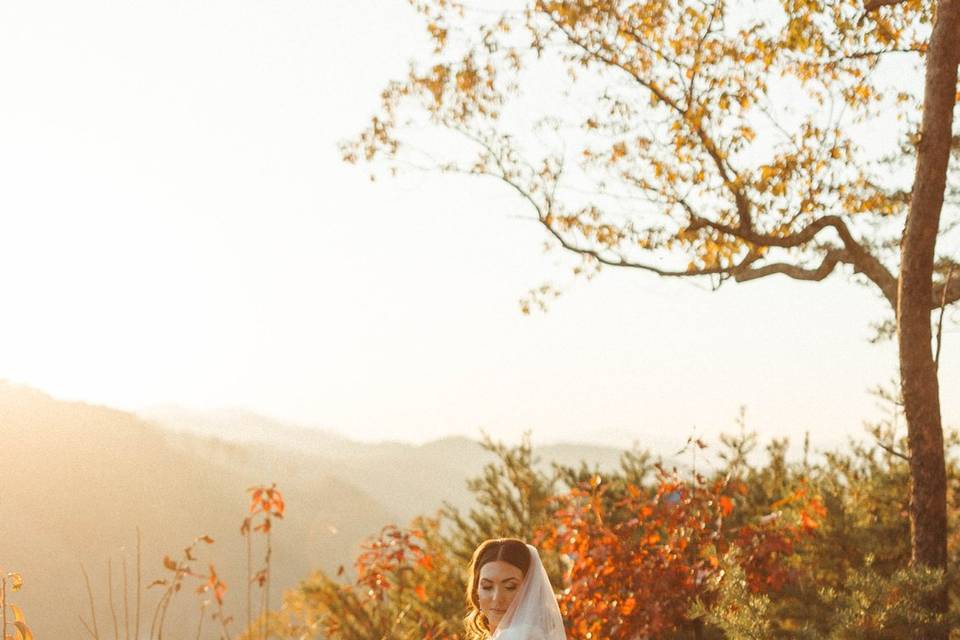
78	480
412	479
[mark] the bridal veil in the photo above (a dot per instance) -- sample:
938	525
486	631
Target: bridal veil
533	614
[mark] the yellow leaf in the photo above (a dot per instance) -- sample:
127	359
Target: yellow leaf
16	580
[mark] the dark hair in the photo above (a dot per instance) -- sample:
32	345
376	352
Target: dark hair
510	550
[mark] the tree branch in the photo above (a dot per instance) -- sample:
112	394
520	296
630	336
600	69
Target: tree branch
946	294
863	261
853	252
943	308
830	261
893	451
876	53
723	167
873	5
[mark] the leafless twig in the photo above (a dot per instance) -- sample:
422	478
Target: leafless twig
893	451
943	307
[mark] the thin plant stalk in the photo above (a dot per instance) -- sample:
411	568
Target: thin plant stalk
93	610
87	627
156	625
3	606
266	599
163	612
249	578
139	584
126	603
203	611
156	614
113	610
224	632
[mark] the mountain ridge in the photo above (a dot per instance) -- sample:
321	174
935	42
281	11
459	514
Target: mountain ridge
83	478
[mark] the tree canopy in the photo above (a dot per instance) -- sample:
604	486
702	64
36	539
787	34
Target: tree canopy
719	139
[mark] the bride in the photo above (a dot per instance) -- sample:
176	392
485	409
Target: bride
509	594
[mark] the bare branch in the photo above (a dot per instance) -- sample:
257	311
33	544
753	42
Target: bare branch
874	53
946	294
830	261
893	451
943	307
853	253
620	261
698	54
873	5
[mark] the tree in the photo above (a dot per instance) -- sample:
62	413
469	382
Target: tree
715	140
918	369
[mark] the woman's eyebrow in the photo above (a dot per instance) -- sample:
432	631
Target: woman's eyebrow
504	580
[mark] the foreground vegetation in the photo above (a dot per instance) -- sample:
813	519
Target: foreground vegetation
771	549
742	543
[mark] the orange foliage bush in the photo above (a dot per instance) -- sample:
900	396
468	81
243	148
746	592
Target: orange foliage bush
640	559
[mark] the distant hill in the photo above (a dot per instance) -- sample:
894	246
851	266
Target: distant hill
77	480
412	479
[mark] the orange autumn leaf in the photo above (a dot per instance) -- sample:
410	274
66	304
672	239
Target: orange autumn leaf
726	505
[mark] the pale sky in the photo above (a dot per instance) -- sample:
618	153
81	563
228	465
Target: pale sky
178	228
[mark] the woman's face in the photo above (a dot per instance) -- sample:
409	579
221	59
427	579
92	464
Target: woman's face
496	589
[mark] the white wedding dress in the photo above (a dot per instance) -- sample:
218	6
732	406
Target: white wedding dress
533	614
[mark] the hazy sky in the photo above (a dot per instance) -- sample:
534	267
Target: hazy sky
178	228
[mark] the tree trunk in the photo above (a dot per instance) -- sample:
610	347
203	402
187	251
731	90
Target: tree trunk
918	371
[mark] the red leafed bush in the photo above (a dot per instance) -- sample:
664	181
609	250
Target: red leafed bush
640	557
